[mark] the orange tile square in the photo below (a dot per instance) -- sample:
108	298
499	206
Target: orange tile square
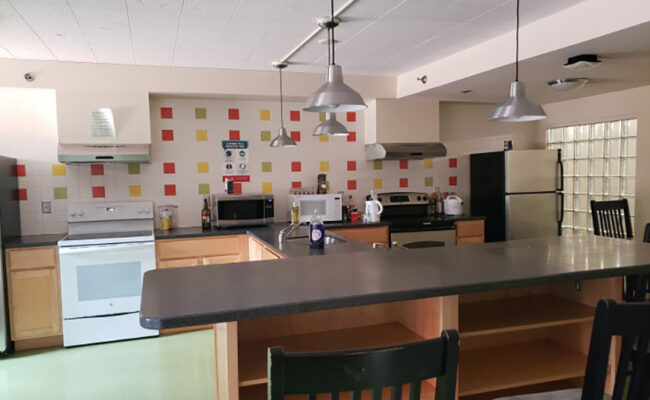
169	168
352	184
97	169
166	113
352	165
296	185
403	164
167	135
170	190
453	162
233	113
352	136
294	115
99	192
403	182
453	181
295	135
233	135
296	166
352	117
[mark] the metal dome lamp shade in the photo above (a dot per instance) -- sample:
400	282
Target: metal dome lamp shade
330	127
517	107
283	139
334	95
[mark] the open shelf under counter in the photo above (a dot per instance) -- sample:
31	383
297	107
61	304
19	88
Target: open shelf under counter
502	367
519	313
258	392
252	355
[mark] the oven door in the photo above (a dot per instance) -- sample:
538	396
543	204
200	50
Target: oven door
103	279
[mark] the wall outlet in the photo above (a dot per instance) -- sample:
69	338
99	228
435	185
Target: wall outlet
46	207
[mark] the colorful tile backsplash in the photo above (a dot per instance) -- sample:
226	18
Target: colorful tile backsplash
187	163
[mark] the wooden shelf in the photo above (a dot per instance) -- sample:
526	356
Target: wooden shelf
258	392
501	367
252	355
519	313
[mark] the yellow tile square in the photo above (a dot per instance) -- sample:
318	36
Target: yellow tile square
428	163
324	166
378	184
203	167
267	187
135	191
201	135
321	116
324	138
265	115
58	169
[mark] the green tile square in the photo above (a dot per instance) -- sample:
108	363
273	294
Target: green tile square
428	181
204	188
266	166
265	136
134	169
377	164
60	193
200	113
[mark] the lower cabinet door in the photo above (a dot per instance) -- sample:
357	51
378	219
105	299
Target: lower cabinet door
34	303
232	258
179	262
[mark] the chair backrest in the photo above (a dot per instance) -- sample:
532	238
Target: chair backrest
631	321
612	218
372	368
646	235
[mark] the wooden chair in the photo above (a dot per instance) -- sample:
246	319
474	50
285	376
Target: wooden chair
374	368
631	321
646	235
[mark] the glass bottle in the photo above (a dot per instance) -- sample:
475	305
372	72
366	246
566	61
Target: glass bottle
206	216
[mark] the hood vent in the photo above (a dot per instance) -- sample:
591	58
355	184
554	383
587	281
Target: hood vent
92	153
404	151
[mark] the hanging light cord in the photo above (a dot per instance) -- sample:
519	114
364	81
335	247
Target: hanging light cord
332	22
517	47
281	105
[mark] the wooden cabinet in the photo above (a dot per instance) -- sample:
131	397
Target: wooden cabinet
470	232
259	251
369	234
188	252
34	293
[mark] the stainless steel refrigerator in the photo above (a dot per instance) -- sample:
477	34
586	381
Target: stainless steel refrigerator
9	227
519	192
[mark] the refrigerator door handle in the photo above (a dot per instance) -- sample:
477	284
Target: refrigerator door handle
561	175
560	218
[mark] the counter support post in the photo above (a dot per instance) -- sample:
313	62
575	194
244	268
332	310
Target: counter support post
227	366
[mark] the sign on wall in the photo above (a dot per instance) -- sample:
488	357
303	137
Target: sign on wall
235	160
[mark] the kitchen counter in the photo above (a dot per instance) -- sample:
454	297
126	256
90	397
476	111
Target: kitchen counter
229	292
34	240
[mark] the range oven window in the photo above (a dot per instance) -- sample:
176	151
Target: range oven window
241	209
109	281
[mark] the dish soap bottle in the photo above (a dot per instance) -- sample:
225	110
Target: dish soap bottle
206	216
316	232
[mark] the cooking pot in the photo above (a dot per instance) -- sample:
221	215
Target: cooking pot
453	205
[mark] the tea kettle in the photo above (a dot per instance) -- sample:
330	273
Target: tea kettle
373	209
453	205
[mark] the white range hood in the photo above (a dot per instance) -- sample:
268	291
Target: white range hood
89	153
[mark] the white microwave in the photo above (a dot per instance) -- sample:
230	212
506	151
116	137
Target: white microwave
328	206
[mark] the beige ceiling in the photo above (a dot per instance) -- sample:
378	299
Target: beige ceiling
379	37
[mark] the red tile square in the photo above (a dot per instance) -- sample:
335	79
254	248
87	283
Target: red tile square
295	135
352	165
453	162
352	137
233	113
352	184
296	185
453	181
403	164
166	113
19	170
352	117
294	115
170	190
99	192
96	169
168	135
236	187
169	168
403	182
21	194
233	135
296	166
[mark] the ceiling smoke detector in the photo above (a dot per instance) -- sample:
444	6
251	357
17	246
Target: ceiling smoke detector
564	85
583	61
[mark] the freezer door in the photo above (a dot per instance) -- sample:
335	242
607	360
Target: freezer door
531	215
529	171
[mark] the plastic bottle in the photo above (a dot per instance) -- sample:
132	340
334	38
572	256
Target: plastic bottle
295	213
316	232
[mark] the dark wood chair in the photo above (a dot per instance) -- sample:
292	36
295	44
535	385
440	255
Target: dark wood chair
373	368
646	235
631	321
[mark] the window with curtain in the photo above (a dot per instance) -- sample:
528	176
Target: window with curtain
599	164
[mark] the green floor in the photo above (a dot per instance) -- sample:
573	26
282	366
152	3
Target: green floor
171	367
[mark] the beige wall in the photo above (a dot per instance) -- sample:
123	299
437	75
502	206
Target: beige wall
465	129
632	103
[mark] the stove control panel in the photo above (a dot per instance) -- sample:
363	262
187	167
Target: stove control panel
403	198
88	212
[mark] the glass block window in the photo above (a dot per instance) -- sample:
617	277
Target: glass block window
599	164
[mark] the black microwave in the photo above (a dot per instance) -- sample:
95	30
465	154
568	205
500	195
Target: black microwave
243	210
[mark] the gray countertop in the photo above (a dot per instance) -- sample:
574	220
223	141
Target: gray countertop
34	240
229	292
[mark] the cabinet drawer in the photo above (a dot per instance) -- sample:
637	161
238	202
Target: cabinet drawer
197	247
366	235
469	228
233	258
469	240
179	262
32	258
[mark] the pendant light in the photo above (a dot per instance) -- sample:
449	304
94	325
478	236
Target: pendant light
517	107
334	95
282	140
330	127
